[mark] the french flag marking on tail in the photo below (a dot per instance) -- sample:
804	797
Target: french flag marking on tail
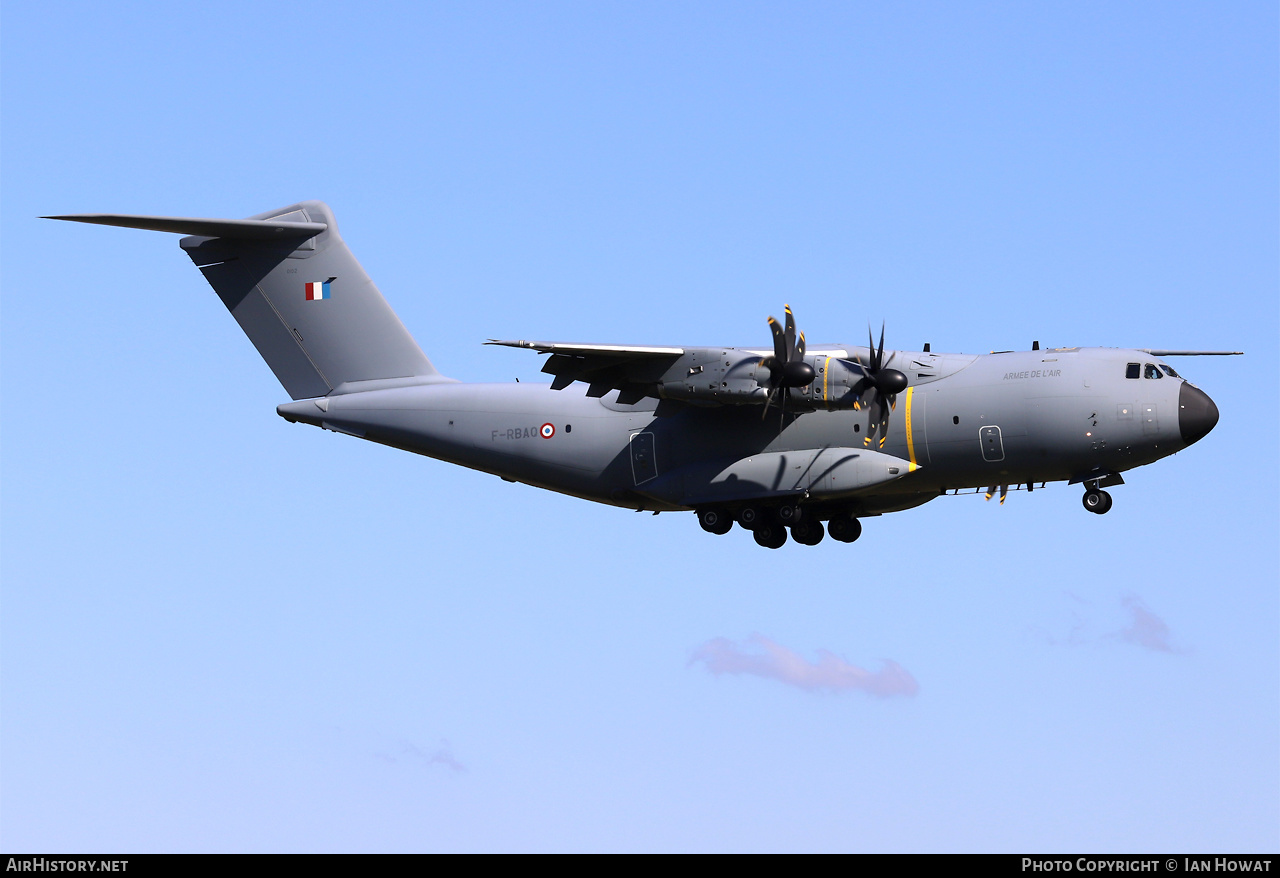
319	290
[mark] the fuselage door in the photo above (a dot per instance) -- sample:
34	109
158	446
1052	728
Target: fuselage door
992	444
1150	423
644	462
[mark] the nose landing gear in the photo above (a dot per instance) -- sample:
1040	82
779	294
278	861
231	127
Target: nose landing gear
1096	500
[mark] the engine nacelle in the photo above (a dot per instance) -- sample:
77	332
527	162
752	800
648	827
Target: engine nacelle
838	378
718	378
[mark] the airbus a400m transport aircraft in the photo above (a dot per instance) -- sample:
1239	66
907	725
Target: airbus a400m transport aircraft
779	439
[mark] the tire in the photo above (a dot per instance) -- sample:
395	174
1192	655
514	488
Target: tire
808	533
771	536
749	517
1097	502
790	515
846	529
715	521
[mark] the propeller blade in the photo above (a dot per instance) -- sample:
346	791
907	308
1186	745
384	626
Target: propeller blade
790	334
800	348
991	492
857	390
768	402
880	353
779	342
1004	492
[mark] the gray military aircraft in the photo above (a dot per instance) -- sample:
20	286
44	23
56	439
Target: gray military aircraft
779	440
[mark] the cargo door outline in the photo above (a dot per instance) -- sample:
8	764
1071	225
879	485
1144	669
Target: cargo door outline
644	460
992	444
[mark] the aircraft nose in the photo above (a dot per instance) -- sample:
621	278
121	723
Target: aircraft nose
1196	413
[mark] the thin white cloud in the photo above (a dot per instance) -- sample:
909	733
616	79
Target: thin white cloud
1145	628
762	657
440	755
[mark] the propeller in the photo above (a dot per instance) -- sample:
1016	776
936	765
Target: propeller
1004	492
787	367
878	388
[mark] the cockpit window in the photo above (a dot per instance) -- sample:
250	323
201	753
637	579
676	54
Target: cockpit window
1151	371
1168	370
1132	370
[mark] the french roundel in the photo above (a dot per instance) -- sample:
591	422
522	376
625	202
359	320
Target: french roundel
548	430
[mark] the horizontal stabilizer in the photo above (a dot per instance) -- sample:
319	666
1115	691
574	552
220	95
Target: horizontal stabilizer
244	229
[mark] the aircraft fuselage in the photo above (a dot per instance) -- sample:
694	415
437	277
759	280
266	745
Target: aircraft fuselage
779	440
964	422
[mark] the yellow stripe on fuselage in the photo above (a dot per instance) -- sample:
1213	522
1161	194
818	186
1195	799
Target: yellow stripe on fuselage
826	370
911	444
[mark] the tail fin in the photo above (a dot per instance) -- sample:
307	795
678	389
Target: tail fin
298	293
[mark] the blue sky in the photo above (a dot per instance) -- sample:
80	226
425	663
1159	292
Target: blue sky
220	631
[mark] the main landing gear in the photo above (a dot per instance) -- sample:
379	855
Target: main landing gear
846	529
772	527
715	521
808	533
770	535
1096	500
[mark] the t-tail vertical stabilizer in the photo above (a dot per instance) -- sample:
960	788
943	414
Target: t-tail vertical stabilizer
300	295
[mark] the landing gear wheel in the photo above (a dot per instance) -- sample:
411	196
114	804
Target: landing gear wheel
1096	501
749	517
714	521
771	536
790	515
808	533
845	529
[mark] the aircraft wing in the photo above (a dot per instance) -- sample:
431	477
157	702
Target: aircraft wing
633	370
583	350
700	376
